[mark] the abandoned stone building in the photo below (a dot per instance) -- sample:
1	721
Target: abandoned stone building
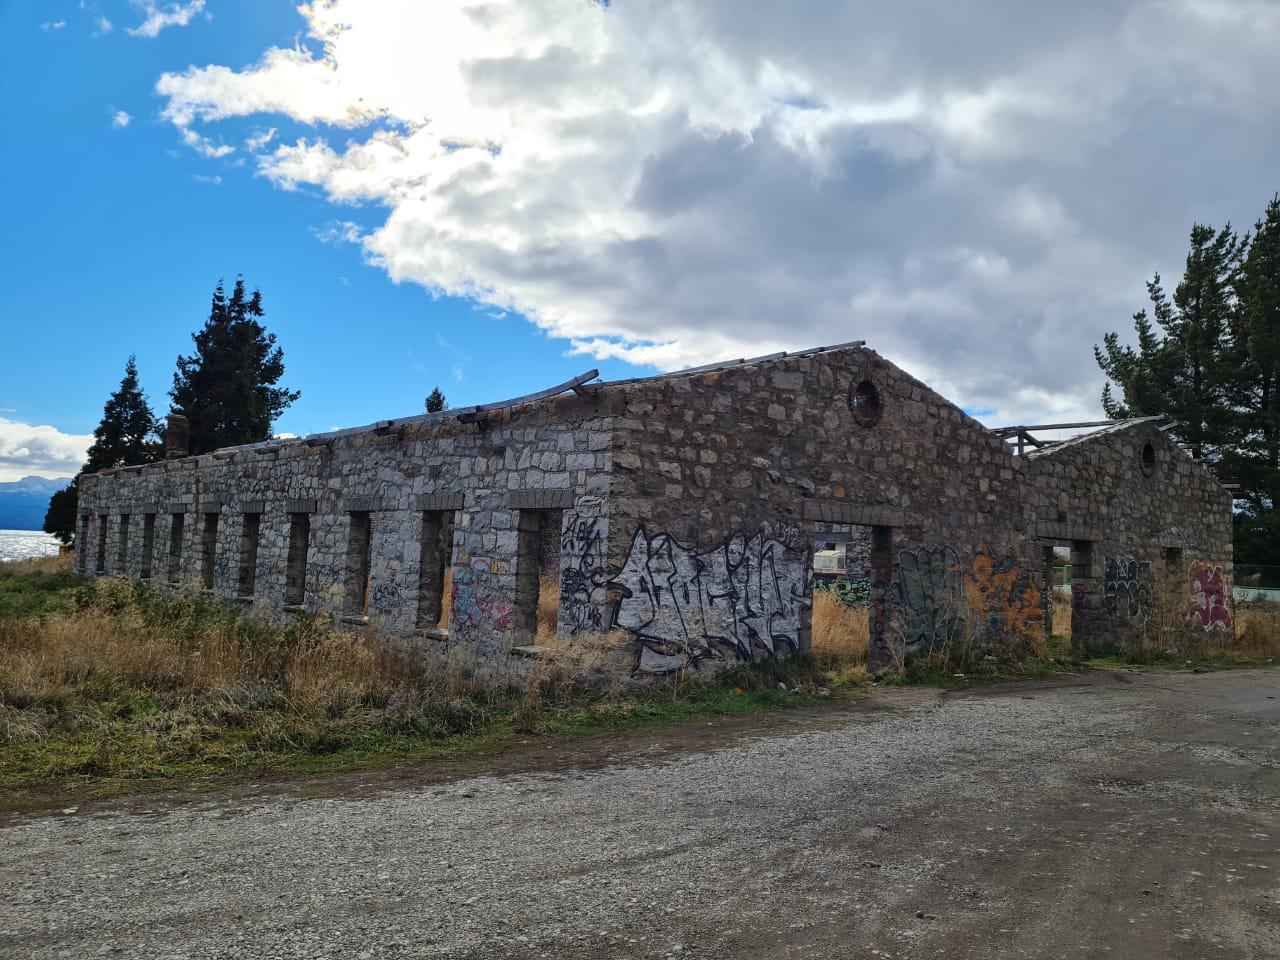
681	509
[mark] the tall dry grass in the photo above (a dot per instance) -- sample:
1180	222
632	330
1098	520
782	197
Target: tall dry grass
1164	634
841	635
126	662
548	613
58	563
1060	625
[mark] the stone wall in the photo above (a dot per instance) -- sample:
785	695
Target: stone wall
1134	520
551	455
682	510
712	461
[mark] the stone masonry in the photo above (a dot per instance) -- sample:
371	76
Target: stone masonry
680	509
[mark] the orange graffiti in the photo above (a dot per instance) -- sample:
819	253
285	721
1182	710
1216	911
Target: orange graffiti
1004	597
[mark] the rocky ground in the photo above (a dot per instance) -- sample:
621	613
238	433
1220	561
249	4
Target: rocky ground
1122	814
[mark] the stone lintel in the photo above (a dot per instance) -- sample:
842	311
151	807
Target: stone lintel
541	499
300	506
1060	530
364	504
861	514
440	501
252	506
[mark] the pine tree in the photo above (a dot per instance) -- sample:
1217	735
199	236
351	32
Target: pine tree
227	388
436	401
1253	461
125	437
1180	367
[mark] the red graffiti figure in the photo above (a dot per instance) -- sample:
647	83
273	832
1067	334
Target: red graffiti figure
1210	589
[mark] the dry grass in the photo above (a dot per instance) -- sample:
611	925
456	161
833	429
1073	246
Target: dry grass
1164	634
446	596
1258	631
1061	623
548	610
126	666
841	636
59	563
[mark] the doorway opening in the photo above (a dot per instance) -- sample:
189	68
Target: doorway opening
852	565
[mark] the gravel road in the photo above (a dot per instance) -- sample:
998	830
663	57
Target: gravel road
1124	814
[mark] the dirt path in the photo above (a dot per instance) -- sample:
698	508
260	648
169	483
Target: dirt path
1125	815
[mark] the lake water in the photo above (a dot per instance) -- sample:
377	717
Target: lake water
25	544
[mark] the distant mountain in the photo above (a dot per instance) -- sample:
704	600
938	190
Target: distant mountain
23	502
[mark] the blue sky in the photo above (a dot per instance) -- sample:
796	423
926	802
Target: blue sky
112	240
978	190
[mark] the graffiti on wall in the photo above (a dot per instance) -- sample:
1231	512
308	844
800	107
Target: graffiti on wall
850	591
583	575
939	598
1126	590
1210	590
742	600
1004	596
473	598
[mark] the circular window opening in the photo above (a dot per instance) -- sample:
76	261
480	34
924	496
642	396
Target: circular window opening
1148	459
865	403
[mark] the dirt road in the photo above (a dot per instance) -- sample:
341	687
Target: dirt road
1122	815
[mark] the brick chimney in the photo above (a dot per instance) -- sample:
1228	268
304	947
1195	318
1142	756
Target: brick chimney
177	436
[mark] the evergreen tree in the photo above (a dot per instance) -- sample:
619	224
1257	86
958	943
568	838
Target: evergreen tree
227	388
1253	460
1211	362
127	434
1180	367
436	401
125	437
60	518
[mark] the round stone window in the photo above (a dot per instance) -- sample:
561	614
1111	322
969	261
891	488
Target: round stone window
864	401
1148	459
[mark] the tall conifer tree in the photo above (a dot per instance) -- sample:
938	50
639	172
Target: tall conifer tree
227	388
1179	367
125	437
1253	459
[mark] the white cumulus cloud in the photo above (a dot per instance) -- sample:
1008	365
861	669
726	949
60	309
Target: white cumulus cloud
120	119
28	450
978	191
157	17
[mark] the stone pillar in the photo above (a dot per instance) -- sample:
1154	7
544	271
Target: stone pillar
1086	594
177	437
880	655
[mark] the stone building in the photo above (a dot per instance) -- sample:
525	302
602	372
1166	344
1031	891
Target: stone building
682	510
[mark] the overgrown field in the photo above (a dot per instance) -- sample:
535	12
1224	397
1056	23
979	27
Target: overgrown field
107	683
111	681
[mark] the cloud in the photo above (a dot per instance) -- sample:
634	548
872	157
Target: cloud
259	140
120	119
159	17
338	232
214	181
39	451
53	25
979	192
204	146
103	26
